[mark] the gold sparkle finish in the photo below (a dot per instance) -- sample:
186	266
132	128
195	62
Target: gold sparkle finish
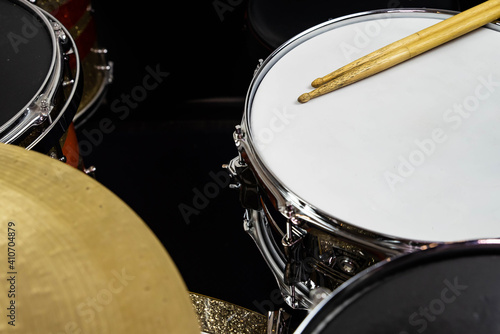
219	317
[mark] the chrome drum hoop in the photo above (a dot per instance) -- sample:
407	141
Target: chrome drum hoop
44	120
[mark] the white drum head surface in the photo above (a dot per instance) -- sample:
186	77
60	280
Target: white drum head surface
412	152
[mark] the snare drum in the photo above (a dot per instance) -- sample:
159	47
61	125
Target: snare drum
40	92
77	16
444	289
383	167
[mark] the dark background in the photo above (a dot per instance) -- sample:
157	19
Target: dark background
161	151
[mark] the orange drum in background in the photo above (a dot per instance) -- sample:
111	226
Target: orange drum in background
70	149
77	17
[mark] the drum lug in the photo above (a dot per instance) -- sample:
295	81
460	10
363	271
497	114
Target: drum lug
90	9
90	171
238	135
233	166
348	265
107	67
259	65
57	154
232	169
59	32
68	82
292	220
42	109
255	224
99	51
294	253
329	258
292	299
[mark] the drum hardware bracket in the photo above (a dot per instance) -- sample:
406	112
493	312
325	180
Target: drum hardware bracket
292	220
232	168
294	248
329	258
68	82
327	271
348	266
238	135
246	183
58	156
60	34
259	65
57	153
90	171
278	322
99	50
294	278
253	225
42	109
107	68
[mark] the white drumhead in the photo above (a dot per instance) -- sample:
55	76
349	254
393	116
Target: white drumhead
413	152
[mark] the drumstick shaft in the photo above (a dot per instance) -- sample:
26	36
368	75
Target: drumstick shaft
407	48
386	50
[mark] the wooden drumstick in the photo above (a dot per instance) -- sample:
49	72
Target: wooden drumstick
386	50
407	48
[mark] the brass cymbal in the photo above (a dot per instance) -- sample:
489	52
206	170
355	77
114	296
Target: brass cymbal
75	259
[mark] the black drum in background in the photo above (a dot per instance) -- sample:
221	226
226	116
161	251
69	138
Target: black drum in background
40	81
446	289
273	22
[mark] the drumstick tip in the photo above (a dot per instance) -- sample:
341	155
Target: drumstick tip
304	98
318	82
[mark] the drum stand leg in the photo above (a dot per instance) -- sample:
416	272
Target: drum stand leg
278	322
